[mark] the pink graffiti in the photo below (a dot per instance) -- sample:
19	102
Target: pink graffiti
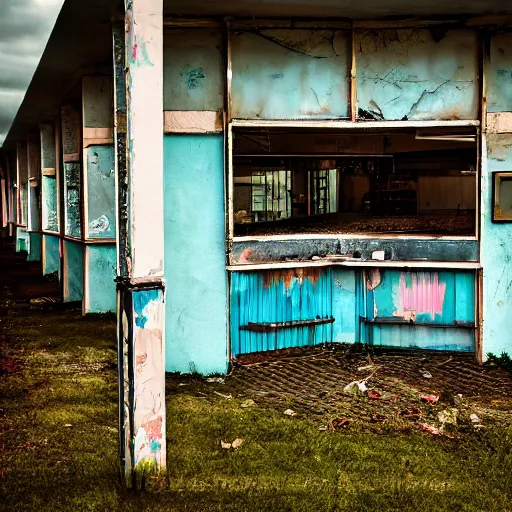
424	295
134	52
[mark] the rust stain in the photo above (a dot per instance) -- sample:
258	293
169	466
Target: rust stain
288	276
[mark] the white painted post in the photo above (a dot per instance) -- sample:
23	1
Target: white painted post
138	132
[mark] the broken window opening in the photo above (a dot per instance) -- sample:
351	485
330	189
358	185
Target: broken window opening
355	183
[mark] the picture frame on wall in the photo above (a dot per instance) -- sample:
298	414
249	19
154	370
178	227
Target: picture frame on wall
502	196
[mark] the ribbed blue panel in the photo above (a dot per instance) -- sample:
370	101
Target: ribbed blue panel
423	337
280	296
422	298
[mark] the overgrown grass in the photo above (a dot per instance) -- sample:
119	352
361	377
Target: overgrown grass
503	361
59	443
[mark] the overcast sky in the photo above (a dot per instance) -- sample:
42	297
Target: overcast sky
25	26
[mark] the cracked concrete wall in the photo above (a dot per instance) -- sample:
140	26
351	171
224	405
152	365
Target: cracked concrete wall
499	90
417	74
291	74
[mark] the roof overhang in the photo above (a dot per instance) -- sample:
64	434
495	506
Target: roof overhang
81	39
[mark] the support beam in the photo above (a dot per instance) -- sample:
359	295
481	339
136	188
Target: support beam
138	136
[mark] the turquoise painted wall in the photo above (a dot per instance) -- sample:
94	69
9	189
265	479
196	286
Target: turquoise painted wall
291	74
51	260
496	253
49	203
195	275
499	92
34	248
21	239
74	271
101	194
101	274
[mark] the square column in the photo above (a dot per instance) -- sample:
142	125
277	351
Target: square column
138	139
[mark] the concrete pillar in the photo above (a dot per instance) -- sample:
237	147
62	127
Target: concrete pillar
138	133
34	199
21	196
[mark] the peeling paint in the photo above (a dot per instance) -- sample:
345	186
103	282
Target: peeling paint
149	378
409	74
374	279
420	292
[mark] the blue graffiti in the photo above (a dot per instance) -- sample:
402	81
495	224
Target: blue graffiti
193	77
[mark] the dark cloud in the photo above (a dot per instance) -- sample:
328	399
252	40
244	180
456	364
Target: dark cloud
25	26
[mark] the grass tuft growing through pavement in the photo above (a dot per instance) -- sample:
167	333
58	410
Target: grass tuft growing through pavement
58	452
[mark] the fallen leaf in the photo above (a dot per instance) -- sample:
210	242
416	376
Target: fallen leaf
217	380
374	395
224	445
248	403
338	423
290	412
237	443
68	425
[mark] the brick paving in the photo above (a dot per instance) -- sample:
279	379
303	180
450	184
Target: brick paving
312	381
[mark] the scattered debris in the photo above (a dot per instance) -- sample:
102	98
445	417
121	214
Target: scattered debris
322	429
414	413
356	386
374	395
44	300
234	445
475	420
67	425
237	443
429	428
367	367
338	423
425	374
445	362
290	412
248	403
227	397
378	418
448	417
431	399
216	380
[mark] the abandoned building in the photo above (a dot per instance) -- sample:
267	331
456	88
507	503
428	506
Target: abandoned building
244	176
